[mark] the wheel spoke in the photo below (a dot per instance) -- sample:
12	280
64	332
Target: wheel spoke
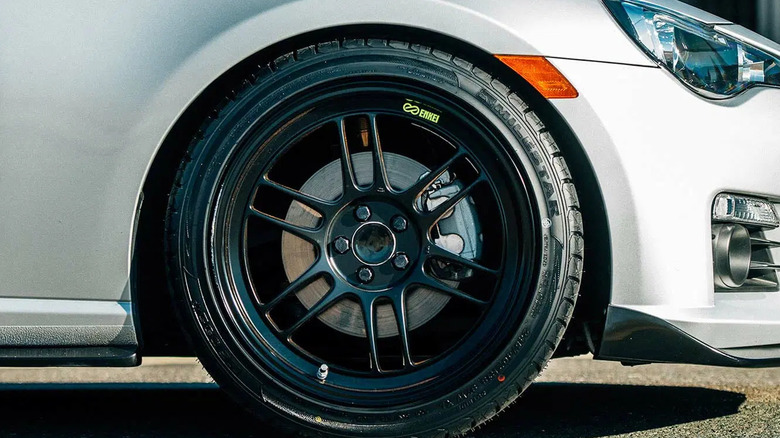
416	190
369	319
430	218
312	235
330	298
437	252
314	272
380	172
349	184
323	207
399	308
433	283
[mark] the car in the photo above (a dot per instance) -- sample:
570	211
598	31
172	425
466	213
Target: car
380	219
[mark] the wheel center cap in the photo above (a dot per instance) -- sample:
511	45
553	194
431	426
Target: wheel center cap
373	243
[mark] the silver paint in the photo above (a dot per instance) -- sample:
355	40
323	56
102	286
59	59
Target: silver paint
90	89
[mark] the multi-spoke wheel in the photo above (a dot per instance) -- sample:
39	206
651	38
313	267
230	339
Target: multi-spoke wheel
375	240
376	243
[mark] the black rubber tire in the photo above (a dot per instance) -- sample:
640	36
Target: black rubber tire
549	307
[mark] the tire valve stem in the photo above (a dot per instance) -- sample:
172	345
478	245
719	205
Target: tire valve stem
364	131
322	373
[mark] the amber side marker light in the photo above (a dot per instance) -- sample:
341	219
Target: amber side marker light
542	75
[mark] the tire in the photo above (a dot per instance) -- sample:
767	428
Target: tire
525	208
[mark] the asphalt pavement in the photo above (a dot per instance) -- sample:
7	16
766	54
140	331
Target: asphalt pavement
576	397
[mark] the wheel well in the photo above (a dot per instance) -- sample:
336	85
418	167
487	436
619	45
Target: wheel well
160	332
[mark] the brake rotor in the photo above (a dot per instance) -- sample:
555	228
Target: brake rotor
297	254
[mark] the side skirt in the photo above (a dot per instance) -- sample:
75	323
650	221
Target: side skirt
52	332
69	357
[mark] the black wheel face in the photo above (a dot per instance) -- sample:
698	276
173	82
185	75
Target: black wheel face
379	229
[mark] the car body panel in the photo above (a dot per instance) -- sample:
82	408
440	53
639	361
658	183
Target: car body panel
90	90
659	173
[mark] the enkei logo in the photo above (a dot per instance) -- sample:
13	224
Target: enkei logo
419	112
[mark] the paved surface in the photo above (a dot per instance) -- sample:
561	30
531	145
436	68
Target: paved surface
174	398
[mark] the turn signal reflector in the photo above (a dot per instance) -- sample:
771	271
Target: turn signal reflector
542	75
744	210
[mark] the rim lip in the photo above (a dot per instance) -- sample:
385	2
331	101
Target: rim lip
258	350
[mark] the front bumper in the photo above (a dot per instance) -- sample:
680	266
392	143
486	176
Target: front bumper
661	154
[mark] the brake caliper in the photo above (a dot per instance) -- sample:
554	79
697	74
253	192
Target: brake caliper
458	231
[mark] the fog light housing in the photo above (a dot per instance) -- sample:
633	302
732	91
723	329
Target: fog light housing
732	254
744	210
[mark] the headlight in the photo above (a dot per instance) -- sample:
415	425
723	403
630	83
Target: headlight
712	63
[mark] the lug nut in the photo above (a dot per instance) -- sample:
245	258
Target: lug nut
365	274
399	223
322	373
401	261
341	244
362	213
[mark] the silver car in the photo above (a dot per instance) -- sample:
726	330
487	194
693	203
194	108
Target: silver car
383	218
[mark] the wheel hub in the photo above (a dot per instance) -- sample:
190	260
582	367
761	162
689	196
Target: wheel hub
381	257
374	243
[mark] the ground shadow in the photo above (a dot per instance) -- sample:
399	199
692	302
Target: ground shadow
564	410
177	411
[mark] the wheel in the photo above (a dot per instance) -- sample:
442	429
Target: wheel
373	239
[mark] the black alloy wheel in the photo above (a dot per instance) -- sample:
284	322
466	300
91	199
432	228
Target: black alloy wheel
374	239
